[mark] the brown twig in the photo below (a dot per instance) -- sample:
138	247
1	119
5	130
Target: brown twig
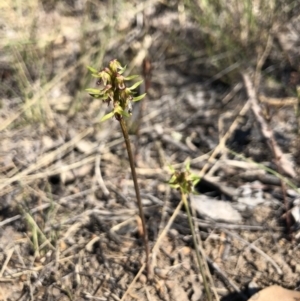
283	164
266	131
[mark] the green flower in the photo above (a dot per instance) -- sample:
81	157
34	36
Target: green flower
183	180
114	89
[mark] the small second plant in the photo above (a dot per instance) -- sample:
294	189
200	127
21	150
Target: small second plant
114	91
185	181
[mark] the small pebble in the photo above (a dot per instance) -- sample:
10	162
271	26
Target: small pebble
143	279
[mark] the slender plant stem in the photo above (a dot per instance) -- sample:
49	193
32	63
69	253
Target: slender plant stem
205	283
137	192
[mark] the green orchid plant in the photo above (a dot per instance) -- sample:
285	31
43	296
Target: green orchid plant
115	91
185	181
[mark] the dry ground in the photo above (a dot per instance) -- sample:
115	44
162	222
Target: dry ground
69	227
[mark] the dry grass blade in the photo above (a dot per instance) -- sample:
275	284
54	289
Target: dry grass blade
45	160
278	102
9	254
133	282
165	231
253	247
36	98
221	146
99	176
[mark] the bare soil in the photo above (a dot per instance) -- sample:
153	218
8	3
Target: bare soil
69	225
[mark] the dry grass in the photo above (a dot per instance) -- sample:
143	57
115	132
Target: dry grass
67	217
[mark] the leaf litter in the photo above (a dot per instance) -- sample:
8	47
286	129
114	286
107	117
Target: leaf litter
73	180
